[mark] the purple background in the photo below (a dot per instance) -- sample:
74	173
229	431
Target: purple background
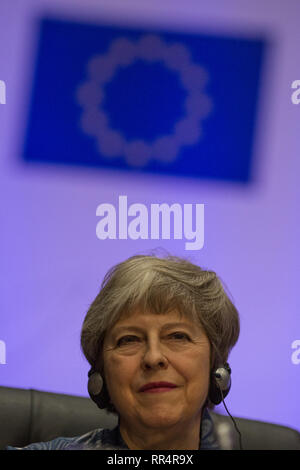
51	263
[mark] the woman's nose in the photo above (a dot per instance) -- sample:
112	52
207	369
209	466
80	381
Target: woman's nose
154	357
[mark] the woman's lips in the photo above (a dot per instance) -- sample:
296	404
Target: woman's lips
157	387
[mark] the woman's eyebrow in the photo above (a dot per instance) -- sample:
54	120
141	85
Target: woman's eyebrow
119	329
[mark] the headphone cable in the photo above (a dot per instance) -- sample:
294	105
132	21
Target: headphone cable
235	425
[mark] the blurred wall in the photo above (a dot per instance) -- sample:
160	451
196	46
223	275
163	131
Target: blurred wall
51	262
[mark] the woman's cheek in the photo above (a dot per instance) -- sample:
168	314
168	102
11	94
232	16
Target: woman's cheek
117	369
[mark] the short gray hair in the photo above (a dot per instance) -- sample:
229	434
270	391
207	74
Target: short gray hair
161	285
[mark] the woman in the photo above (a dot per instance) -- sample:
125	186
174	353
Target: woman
157	336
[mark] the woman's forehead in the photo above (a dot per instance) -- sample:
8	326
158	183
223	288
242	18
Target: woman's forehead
141	317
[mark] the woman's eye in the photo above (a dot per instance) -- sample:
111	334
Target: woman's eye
127	340
179	336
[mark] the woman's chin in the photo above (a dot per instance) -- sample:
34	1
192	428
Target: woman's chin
160	419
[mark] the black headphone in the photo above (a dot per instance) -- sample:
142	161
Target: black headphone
220	384
95	386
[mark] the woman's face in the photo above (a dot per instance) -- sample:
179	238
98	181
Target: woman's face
146	348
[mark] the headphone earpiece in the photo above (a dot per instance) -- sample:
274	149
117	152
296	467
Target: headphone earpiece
95	386
220	384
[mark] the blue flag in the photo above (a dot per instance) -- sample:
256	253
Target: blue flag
140	100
